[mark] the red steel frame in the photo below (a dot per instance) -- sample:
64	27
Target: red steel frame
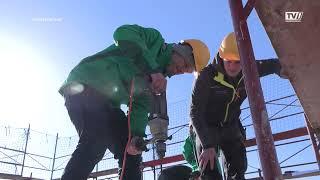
177	158
264	138
267	152
313	140
249	143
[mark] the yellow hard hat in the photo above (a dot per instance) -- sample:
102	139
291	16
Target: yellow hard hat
228	49
201	53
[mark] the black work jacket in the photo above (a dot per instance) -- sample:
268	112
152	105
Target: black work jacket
216	101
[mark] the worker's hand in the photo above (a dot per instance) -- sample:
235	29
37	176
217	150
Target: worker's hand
195	175
207	156
158	83
132	149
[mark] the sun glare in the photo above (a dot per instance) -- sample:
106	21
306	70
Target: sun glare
21	78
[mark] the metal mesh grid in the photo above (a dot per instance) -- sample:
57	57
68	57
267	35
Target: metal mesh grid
284	110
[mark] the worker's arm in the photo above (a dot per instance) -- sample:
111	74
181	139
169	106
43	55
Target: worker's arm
199	105
268	66
139	115
188	153
136	41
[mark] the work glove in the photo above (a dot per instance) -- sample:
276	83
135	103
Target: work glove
134	147
158	83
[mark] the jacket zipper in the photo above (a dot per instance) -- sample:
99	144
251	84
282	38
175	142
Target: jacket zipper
220	79
234	93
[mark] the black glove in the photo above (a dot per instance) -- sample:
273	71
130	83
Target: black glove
139	143
194	175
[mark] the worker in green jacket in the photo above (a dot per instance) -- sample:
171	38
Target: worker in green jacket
135	66
190	155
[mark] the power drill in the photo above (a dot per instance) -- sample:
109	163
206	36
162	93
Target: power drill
159	122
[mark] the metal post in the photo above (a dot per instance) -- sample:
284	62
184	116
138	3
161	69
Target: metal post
141	168
154	158
269	161
259	171
54	156
313	140
97	168
25	150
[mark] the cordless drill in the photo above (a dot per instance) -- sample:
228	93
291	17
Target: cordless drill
159	122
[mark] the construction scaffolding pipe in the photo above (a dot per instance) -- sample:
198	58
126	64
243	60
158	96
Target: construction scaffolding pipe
268	157
25	150
54	156
313	140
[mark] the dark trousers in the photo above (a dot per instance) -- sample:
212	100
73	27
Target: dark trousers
100	127
235	164
208	174
177	172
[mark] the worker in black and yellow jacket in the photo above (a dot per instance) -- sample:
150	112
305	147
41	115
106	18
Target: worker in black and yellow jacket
215	110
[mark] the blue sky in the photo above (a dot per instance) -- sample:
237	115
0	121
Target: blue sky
80	28
36	54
